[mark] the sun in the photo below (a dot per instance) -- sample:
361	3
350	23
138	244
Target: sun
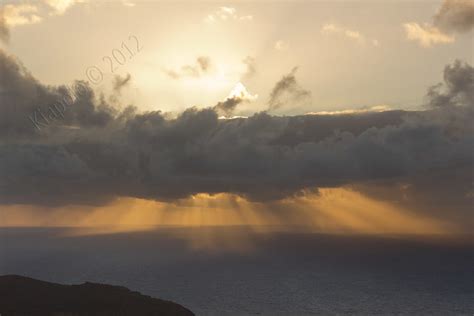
241	92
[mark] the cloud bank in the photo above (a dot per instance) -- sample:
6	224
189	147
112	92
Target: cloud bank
95	153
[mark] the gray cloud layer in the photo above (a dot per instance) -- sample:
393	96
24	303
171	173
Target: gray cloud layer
108	153
455	16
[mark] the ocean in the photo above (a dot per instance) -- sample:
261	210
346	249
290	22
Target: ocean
246	271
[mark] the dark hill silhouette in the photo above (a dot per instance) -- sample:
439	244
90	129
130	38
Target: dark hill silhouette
22	296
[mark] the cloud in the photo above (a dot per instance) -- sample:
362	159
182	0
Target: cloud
20	14
329	28
407	156
128	3
226	14
120	82
204	63
61	6
281	45
458	87
201	67
25	12
251	64
31	12
455	16
287	89
238	95
26	104
426	35
227	106
4	31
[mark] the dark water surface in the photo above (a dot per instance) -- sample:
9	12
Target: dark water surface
234	271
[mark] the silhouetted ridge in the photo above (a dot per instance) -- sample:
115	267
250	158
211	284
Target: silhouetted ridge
22	296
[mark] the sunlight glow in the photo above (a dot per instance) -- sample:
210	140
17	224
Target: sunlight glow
239	91
339	210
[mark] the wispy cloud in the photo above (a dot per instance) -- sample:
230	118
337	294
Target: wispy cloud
251	64
287	90
61	6
120	82
330	28
201	67
34	11
20	14
454	16
281	45
226	14
426	35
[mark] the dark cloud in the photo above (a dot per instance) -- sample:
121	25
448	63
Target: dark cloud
228	106
458	88
287	90
455	16
262	157
120	82
27	105
201	67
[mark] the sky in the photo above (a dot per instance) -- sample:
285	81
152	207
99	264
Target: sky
337	115
349	54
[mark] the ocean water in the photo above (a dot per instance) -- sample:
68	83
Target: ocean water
237	271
